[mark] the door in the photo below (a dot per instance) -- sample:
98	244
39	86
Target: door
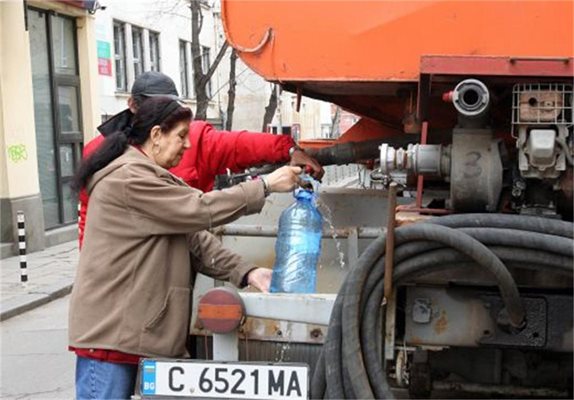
57	111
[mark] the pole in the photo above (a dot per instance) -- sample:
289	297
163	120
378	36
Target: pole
390	244
390	293
22	248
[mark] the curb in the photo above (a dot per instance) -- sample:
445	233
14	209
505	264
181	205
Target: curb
14	307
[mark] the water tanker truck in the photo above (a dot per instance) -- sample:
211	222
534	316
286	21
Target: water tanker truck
454	277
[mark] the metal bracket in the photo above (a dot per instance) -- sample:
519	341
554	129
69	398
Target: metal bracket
390	322
353	246
533	335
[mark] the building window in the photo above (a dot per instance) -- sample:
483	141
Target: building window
205	63
120	55
58	112
326	131
137	44
183	69
154	51
63	33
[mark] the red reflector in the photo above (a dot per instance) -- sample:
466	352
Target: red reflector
221	310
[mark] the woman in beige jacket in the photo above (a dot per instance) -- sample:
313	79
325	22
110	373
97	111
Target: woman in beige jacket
132	293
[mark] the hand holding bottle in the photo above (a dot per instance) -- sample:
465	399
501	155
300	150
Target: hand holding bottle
284	179
260	278
299	157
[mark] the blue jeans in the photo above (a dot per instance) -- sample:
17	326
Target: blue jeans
104	380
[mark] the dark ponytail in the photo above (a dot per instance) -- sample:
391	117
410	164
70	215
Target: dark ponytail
161	111
113	146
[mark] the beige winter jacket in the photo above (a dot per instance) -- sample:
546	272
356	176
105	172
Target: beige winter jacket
145	241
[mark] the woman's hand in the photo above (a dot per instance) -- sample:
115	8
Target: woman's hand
284	179
299	157
260	278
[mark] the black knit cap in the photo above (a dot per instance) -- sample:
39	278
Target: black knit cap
154	84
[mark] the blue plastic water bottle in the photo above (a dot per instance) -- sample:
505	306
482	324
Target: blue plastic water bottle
298	246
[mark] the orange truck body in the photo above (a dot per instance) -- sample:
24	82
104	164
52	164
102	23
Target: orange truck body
368	56
350	41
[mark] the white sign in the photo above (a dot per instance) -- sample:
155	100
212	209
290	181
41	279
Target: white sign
224	380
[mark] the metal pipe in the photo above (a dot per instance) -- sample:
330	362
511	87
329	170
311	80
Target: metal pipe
351	152
271	231
419	159
420	178
390	244
519	391
471	98
389	294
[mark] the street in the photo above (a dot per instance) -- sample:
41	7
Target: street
35	361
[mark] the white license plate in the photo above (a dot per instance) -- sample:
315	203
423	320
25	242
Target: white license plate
222	380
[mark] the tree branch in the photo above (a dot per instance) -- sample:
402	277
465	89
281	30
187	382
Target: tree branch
231	91
195	44
271	108
207	76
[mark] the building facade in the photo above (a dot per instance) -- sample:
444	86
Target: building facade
48	101
137	36
64	69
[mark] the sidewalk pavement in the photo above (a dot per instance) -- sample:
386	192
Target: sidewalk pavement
50	276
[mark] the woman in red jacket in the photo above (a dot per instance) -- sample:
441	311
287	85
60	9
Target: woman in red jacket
211	152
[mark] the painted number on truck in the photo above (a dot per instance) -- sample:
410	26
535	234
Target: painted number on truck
472	168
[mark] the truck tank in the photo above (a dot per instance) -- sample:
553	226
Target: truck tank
353	52
465	236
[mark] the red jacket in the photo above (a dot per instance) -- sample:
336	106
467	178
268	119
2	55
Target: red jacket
210	154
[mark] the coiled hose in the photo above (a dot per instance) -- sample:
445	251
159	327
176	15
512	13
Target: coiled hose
350	362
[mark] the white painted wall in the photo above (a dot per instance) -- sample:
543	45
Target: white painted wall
172	19
19	175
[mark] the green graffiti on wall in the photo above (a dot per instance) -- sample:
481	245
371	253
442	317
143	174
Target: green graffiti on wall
17	153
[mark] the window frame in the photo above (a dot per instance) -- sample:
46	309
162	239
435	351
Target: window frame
184	69
120	56
137	44
205	64
154	48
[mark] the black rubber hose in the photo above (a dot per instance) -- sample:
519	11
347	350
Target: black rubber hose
331	348
517	238
472	248
352	352
354	281
332	352
425	262
318	381
521	255
461	265
351	152
370	326
511	238
360	296
525	223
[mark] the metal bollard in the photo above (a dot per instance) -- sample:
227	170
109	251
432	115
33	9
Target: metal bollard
22	247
